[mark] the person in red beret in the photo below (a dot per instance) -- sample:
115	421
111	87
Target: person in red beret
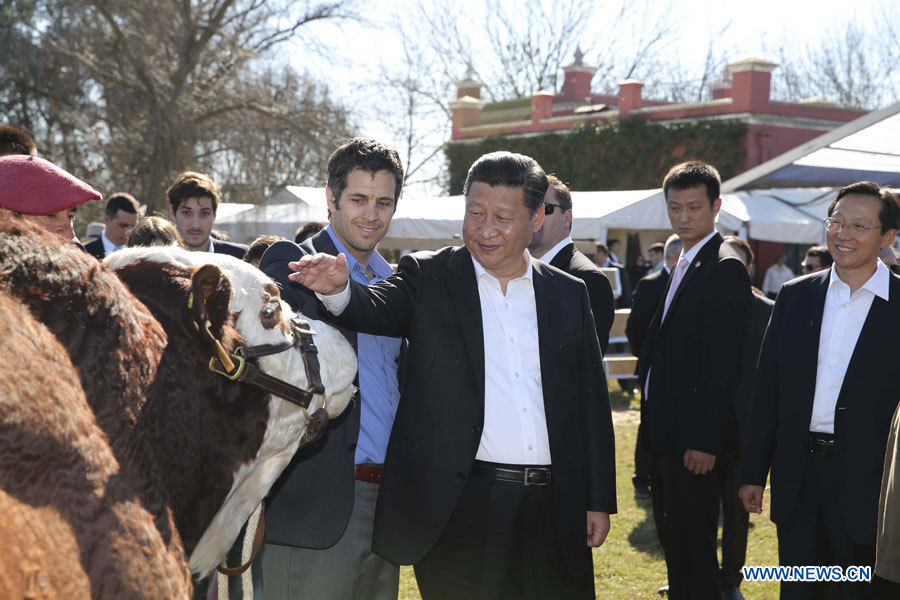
39	191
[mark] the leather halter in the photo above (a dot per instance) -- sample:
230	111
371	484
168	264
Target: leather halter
246	372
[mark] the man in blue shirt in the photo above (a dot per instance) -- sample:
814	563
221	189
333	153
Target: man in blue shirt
320	514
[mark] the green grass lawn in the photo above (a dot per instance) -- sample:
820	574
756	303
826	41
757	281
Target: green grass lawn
630	565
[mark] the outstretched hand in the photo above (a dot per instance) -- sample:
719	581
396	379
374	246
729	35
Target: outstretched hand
321	273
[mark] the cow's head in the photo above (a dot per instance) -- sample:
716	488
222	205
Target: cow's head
222	290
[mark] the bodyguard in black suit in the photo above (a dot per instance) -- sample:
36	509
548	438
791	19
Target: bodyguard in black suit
645	300
120	217
552	244
825	392
689	365
490	495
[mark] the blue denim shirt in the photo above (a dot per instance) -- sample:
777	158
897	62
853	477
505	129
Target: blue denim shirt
378	388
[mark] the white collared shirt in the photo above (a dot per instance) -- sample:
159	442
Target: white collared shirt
842	321
515	425
108	246
552	252
212	248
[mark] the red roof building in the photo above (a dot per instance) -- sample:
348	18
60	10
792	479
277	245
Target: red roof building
772	127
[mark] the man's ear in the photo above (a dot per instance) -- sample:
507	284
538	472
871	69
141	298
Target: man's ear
106	219
329	197
717	204
568	215
172	213
537	219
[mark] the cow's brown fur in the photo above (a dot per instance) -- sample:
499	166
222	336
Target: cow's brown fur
174	430
62	493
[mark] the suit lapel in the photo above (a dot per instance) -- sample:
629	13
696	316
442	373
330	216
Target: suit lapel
871	339
709	252
563	258
809	334
548	322
462	288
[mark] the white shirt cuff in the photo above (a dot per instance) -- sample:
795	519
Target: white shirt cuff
336	303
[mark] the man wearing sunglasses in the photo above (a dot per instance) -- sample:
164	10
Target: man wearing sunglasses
553	244
817	258
825	392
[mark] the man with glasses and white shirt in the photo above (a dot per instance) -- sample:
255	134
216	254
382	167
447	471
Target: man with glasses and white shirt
553	244
825	393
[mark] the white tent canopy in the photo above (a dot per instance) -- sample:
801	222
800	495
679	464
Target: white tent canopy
281	214
789	215
867	148
595	213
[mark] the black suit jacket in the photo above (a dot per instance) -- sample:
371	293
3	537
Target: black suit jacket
783	403
96	249
433	302
760	312
695	355
230	248
603	306
647	297
311	502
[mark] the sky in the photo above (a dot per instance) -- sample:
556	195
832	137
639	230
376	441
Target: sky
354	52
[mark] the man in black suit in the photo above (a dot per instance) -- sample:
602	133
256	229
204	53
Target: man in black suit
735	519
648	295
553	244
321	511
825	392
193	201
500	471
120	218
691	357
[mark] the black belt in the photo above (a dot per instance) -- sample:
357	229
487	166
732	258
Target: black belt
526	475
821	443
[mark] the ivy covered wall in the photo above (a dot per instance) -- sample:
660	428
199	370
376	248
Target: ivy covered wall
625	154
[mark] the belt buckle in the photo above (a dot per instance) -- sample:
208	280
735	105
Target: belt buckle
535	470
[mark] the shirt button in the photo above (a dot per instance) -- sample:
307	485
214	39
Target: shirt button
524	410
510	339
506	304
530	447
517	374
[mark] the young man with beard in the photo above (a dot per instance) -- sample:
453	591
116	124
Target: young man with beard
193	201
320	514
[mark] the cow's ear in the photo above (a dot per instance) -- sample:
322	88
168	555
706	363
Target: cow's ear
210	298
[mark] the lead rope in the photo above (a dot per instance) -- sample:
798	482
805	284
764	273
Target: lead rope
246	555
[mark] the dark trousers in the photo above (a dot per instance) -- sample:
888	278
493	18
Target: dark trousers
641	453
689	509
502	542
735	520
815	535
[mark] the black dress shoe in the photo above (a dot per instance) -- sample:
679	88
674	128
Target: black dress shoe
641	492
732	592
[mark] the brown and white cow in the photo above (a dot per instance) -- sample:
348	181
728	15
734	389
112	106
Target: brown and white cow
199	450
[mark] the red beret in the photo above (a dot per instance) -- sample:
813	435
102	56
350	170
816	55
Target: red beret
34	186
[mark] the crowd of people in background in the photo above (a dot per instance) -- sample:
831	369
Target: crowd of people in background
495	476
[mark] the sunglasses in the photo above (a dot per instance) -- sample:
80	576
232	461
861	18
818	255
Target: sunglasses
549	208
